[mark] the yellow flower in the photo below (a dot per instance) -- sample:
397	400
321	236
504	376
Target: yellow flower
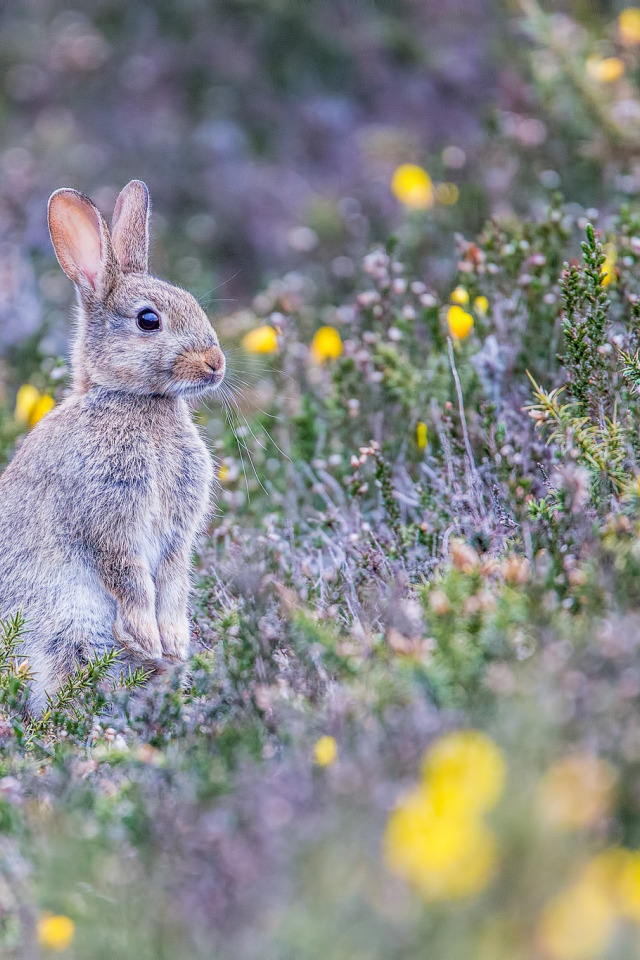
460	322
325	751
261	340
464	772
422	434
55	932
629	884
412	186
26	399
629	26
577	923
444	855
460	295
326	344
576	791
31	405
447	194
42	407
608	267
481	305
223	472
604	70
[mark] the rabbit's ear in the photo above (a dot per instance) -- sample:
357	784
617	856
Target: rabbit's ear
81	241
130	228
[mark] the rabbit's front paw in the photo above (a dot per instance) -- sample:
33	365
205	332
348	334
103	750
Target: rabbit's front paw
139	636
175	639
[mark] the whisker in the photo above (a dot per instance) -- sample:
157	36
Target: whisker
228	398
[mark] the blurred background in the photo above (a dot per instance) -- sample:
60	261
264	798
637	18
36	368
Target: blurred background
268	131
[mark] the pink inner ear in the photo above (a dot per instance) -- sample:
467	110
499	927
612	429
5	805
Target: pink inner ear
76	236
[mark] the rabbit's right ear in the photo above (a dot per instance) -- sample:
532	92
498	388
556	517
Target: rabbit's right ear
81	241
130	227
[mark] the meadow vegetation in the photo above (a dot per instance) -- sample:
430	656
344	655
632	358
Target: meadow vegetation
409	725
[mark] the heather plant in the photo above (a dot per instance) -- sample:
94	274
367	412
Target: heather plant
410	714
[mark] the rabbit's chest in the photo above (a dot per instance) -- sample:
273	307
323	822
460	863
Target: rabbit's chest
184	475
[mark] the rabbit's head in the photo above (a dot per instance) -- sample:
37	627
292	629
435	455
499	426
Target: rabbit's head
135	333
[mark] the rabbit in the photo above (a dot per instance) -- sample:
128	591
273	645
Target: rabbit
104	499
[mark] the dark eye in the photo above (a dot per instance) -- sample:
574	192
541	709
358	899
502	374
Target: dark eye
148	320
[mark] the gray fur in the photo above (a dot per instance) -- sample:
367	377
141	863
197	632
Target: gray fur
104	499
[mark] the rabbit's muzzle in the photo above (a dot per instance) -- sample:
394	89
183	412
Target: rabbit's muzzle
203	368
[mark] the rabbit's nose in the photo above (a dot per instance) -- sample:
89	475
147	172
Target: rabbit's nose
214	358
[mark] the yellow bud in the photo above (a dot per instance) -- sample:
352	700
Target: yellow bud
55	933
325	751
604	70
460	295
326	344
447	194
422	434
481	305
260	340
26	399
460	322
412	186
608	267
629	26
43	405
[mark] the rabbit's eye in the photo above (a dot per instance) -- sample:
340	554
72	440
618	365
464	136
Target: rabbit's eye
148	320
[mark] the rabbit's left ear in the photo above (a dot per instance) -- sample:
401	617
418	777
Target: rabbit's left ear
130	228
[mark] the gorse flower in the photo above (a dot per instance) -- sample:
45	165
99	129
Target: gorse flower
436	838
447	194
629	26
460	322
325	751
422	434
460	295
412	186
443	854
608	267
604	70
326	344
55	932
261	340
578	923
576	791
465	771
481	305
31	405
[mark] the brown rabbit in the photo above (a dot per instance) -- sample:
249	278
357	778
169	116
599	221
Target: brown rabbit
102	503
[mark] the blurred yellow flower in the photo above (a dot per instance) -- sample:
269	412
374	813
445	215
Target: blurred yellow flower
223	472
444	855
608	267
447	194
460	322
629	883
422	434
576	791
412	186
604	69
31	405
464	772
55	932
326	344
43	405
460	295
261	340
629	26
481	305
325	752
577	923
